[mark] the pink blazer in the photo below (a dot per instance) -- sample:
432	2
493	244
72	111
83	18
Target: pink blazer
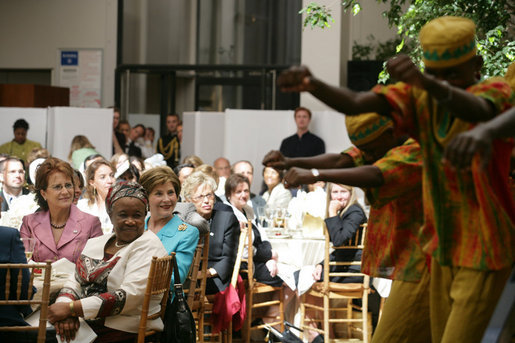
79	228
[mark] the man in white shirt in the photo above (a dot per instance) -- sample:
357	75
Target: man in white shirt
12	175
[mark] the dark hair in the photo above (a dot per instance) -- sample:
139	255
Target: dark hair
281	172
178	168
301	109
131	173
21	123
45	169
232	183
123	121
140	125
150	128
173	115
91	157
80	177
115	109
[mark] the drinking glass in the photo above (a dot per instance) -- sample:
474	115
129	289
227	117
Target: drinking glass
28	244
261	215
269	215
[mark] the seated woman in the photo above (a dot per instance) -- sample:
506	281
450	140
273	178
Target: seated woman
99	178
60	228
344	217
110	279
199	189
163	187
237	191
276	195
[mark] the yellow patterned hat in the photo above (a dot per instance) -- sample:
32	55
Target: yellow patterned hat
366	127
448	41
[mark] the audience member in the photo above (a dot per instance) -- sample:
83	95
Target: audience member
59	228
124	128
133	147
246	169
163	188
276	195
303	143
12	175
237	190
193	159
223	170
118	159
20	146
169	145
80	149
78	186
148	143
37	153
99	178
119	139
183	171
199	189
111	274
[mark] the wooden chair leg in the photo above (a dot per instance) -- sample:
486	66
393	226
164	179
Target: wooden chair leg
349	316
281	308
326	318
364	313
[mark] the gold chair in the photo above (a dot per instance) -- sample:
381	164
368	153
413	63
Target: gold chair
258	288
196	291
17	269
331	291
159	278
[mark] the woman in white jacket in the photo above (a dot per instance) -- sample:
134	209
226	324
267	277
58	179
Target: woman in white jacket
276	195
109	284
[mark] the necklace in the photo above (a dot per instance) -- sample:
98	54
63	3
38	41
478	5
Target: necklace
57	226
119	245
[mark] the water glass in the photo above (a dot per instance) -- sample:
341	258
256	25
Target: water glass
28	245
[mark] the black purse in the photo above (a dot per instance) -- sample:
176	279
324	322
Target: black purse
179	325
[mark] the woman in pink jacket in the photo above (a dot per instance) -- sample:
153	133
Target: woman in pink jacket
59	227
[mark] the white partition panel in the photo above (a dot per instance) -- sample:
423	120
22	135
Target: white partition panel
330	126
64	123
36	117
203	135
250	134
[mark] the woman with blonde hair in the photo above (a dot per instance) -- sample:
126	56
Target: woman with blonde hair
344	217
80	149
99	178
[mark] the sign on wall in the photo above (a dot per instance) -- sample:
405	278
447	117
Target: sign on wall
81	71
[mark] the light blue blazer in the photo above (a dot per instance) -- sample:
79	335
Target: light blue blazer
181	242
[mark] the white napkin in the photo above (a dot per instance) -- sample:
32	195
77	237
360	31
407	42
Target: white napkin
382	286
85	334
63	266
305	279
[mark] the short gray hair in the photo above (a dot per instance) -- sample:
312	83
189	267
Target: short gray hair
194	181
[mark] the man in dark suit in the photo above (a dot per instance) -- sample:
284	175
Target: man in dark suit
12	175
118	137
133	148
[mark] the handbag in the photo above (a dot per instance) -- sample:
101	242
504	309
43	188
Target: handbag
179	325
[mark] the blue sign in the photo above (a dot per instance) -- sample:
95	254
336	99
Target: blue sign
69	58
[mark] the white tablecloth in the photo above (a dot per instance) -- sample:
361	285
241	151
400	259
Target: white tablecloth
298	252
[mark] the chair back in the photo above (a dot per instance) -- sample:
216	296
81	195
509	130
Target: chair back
356	242
15	272
244	242
159	278
197	276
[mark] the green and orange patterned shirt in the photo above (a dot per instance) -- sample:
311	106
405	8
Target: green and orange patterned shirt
392	248
468	216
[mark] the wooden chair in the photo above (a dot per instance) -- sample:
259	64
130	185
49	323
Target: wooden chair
17	270
196	290
159	278
330	291
257	288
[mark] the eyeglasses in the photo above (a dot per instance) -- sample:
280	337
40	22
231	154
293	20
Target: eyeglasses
209	196
59	188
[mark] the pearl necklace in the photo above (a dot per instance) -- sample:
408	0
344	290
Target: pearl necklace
57	226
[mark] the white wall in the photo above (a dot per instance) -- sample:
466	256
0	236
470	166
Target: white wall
32	31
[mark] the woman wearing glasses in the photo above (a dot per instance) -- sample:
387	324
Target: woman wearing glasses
59	228
224	229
